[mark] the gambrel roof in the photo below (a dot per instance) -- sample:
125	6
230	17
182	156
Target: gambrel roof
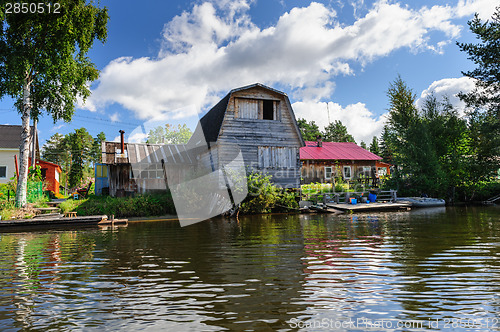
211	123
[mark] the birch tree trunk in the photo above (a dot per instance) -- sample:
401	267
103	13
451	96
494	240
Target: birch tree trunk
24	148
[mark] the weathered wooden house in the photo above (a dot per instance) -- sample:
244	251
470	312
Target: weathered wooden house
139	168
259	122
251	128
323	161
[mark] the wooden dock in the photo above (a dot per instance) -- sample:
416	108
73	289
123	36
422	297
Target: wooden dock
48	221
363	207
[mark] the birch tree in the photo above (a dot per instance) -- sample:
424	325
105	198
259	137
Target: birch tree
44	65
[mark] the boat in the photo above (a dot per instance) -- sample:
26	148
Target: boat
422	202
52	220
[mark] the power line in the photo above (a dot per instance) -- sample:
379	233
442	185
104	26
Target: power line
108	120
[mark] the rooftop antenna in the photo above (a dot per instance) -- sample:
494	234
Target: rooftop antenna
328	112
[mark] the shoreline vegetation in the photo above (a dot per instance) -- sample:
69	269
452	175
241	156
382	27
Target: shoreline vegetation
263	197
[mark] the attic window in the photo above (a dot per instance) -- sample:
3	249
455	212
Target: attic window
257	109
268	110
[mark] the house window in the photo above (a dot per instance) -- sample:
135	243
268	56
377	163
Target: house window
3	172
148	171
268	110
364	171
277	157
382	171
57	175
328	172
347	172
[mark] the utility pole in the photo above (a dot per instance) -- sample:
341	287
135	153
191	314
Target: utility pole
328	112
33	152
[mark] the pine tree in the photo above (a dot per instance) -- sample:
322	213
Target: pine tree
309	130
374	148
337	132
484	100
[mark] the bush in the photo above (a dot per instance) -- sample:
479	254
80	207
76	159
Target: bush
480	191
286	201
137	206
264	197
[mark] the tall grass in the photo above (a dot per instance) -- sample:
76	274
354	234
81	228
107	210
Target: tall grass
137	206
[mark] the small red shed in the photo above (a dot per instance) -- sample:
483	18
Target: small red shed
50	173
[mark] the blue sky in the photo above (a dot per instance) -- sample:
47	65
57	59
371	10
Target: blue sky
170	61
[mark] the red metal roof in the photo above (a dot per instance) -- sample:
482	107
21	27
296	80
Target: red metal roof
335	151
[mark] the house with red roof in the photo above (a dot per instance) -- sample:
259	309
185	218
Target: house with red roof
323	161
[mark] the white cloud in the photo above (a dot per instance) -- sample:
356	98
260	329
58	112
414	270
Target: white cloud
56	128
114	117
448	87
136	137
360	122
216	47
485	8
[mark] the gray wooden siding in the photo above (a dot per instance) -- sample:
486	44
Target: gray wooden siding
209	160
248	108
246	135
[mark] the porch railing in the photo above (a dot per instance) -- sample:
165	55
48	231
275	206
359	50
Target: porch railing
344	197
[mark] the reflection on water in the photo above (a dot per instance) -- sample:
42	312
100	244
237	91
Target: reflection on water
261	273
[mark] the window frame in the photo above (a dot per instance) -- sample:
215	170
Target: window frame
365	171
381	171
6	172
331	172
344	173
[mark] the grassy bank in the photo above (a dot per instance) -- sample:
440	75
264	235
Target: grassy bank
137	206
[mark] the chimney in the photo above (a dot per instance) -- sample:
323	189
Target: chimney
122	141
319	141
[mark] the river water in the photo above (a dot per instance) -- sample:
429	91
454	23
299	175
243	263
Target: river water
428	269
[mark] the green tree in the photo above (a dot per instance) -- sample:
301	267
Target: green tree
484	100
363	144
451	140
337	132
169	134
402	109
374	148
431	147
308	130
44	64
80	143
412	148
96	151
386	139
56	150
